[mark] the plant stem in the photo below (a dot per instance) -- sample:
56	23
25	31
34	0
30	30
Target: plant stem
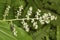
18	19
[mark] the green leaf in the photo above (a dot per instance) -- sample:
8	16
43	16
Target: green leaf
6	33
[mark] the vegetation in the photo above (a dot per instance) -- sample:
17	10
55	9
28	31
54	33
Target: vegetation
29	19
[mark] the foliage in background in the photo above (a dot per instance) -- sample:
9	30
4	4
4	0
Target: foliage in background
45	32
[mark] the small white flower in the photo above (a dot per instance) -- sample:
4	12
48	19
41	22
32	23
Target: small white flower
52	17
37	13
30	8
39	10
36	27
35	23
17	11
27	16
32	20
41	18
8	6
21	7
24	23
15	33
27	29
42	21
56	18
7	9
36	16
45	18
47	21
46	15
25	26
29	13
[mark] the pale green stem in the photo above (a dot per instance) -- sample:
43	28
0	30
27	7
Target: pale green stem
18	19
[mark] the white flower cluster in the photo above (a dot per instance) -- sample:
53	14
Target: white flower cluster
13	29
6	12
14	32
29	12
19	11
35	25
25	25
46	18
38	14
